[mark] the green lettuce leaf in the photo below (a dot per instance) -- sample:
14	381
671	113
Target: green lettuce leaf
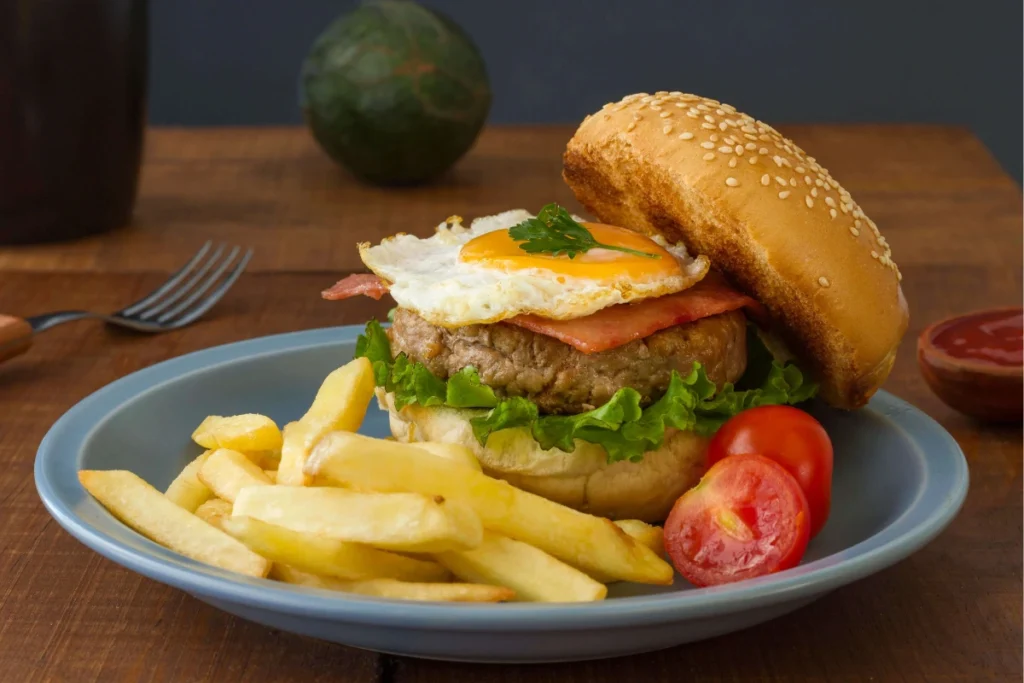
375	346
624	429
413	383
466	391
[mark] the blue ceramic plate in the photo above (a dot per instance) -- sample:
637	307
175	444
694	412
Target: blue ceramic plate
899	480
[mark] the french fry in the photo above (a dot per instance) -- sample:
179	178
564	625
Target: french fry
327	556
405	522
227	472
590	543
186	491
247	433
150	513
214	512
451	451
531	573
340	404
271	475
648	534
298	440
391	588
642	532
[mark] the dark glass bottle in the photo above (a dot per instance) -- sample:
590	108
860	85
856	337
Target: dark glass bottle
72	116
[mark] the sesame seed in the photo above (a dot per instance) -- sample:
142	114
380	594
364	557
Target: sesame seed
739	150
732	162
800	169
874	254
750	137
830	202
654	106
748	129
720	112
792	182
637	116
857	223
819	182
707	145
703	107
750	146
709	156
823	281
691	114
631	126
709	118
680	105
832	213
780	180
784	194
642	107
714	137
808	201
753	159
765	179
707	126
854	231
607	116
778	160
665	114
814	192
729	108
725	149
666	130
763	151
686	136
807	179
731	182
730	140
845	208
723	126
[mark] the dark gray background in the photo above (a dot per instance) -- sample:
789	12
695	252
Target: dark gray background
236	61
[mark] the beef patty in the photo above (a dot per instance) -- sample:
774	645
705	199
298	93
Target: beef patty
559	379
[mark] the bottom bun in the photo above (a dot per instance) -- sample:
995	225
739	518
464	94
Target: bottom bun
582	479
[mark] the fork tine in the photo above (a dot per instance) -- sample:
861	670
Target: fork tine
216	294
161	304
200	290
170	283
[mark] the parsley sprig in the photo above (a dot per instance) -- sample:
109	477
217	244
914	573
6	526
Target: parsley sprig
555	232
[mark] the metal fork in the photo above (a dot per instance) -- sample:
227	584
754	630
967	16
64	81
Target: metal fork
182	299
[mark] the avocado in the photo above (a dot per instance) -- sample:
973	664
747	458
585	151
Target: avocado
395	92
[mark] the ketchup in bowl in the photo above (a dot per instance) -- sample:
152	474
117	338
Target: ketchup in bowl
975	363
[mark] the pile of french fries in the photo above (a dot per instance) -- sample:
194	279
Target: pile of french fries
317	505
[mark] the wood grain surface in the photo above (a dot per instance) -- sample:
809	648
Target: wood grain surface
951	612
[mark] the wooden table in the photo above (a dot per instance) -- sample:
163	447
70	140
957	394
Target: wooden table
952	612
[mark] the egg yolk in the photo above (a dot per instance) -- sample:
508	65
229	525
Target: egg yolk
498	249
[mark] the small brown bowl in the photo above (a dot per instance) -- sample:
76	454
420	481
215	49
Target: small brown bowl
986	391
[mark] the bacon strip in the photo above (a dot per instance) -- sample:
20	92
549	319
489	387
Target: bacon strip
610	327
366	284
615	326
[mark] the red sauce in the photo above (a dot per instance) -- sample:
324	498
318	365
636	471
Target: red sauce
995	337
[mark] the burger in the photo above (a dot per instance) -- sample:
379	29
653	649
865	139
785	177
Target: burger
591	361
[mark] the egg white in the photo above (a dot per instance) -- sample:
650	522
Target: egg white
427	277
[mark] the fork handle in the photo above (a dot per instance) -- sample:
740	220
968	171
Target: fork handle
15	336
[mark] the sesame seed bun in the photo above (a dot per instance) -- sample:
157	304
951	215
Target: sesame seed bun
694	170
582	480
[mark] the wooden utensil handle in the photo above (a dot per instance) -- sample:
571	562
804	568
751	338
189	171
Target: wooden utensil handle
15	336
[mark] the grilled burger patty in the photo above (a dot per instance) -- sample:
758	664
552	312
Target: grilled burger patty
559	379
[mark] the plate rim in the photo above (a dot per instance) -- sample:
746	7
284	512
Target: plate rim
165	566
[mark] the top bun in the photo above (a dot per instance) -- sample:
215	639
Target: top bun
697	171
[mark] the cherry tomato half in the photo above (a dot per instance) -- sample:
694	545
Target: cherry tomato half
793	439
747	517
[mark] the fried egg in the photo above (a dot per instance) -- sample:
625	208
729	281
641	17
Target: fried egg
479	274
